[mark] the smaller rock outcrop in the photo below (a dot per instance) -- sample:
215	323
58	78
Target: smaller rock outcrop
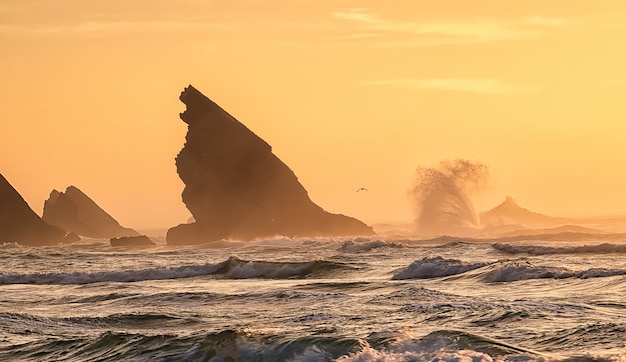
20	224
509	212
71	238
74	211
132	240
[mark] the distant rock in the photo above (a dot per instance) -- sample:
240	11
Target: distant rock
132	240
71	238
20	224
236	188
74	211
510	213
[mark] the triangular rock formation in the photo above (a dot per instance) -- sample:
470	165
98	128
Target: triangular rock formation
235	187
509	212
140	240
20	224
74	211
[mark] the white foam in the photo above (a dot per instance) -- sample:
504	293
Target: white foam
517	272
111	276
605	248
357	246
436	267
369	354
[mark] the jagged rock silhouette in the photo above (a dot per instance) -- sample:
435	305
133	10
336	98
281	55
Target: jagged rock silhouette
236	188
74	211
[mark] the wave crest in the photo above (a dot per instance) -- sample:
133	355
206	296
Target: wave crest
519	271
359	246
436	267
605	248
232	268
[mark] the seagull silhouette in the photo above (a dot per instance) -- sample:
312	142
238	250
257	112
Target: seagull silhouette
362	189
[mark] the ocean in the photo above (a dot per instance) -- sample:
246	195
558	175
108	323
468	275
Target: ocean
385	298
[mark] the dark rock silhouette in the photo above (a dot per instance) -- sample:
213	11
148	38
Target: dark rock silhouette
131	240
20	224
236	188
509	212
71	238
74	211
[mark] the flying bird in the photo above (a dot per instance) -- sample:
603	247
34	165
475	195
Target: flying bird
362	189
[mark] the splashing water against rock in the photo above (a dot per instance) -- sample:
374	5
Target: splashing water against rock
442	196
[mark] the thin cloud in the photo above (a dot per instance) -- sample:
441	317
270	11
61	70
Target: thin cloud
472	85
481	30
357	14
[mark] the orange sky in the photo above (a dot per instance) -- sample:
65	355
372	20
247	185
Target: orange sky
350	93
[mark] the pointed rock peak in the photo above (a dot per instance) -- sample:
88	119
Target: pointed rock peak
189	91
191	94
510	200
73	189
78	197
54	195
508	205
197	102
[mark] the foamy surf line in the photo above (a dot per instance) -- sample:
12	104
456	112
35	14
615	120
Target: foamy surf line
233	268
605	248
436	267
359	245
518	271
494	272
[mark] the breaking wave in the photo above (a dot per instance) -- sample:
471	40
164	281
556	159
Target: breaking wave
246	345
495	272
233	268
517	271
359	246
442	345
605	248
436	267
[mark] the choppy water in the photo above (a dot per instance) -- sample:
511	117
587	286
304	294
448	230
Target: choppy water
447	299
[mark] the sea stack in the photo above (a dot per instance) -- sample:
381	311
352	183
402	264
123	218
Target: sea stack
20	224
509	212
74	211
236	188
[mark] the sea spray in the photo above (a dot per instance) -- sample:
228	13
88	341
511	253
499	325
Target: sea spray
442	196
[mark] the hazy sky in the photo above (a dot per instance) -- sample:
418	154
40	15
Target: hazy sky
350	94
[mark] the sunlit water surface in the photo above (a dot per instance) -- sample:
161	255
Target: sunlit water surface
383	299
